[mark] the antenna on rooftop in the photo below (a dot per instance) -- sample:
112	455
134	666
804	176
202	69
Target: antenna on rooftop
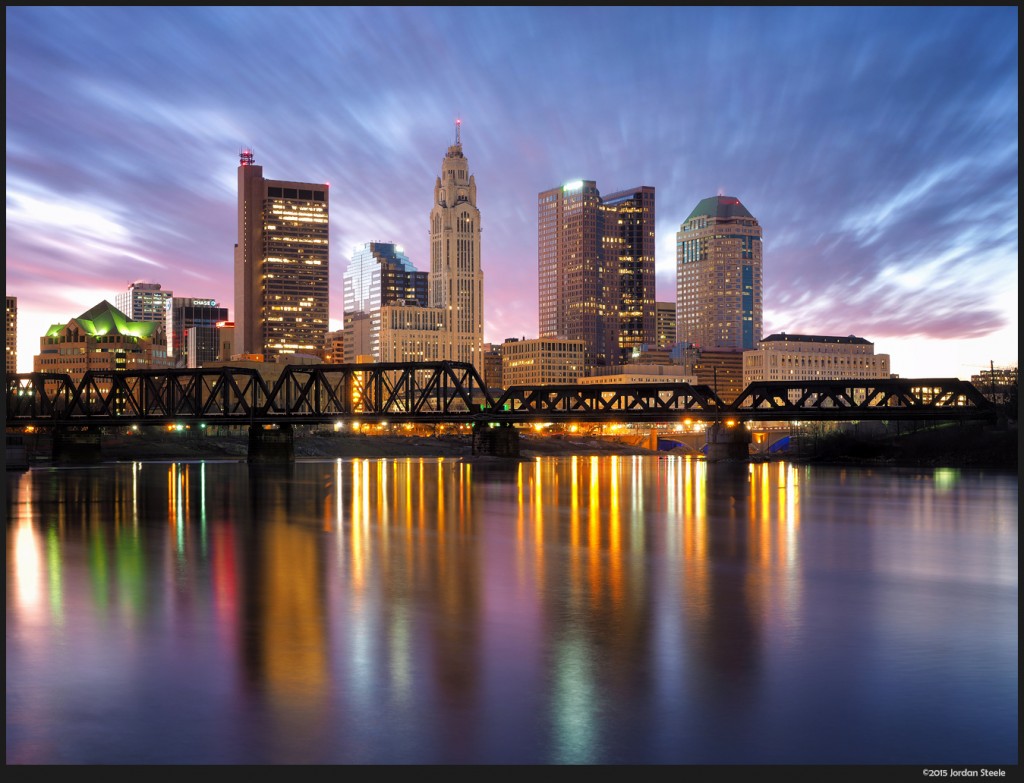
458	131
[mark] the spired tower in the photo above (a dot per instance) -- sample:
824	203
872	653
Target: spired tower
456	278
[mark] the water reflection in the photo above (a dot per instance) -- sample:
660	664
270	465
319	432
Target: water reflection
577	610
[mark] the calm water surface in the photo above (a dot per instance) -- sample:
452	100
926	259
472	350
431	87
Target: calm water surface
567	610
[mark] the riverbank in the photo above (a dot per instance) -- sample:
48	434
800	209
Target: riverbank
955	445
965	446
162	445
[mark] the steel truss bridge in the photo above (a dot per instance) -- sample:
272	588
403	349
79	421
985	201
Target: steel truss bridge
452	392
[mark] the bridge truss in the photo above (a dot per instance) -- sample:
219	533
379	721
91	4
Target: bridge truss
453	392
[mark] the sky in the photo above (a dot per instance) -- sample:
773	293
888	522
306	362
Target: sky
876	146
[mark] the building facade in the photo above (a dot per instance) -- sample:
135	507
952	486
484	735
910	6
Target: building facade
665	324
456	274
379	274
281	264
719	285
184	313
410	334
640	373
101	338
144	301
812	357
541	361
11	335
492	367
596	269
628	245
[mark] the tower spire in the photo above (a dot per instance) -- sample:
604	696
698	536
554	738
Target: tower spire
458	132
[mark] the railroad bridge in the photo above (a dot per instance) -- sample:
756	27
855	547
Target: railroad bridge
451	392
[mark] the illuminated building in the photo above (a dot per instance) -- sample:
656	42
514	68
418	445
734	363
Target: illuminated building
185	313
722	371
456	276
225	340
143	301
718	277
544	360
640	373
628	244
811	357
102	338
281	264
998	384
595	264
665	324
492	367
11	335
379	274
410	334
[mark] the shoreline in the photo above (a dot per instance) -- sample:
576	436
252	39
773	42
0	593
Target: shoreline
978	447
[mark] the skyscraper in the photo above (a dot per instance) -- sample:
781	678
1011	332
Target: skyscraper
143	301
629	249
281	264
11	335
378	275
184	313
595	262
456	276
718	277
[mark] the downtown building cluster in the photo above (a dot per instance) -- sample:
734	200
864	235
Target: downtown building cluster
599	320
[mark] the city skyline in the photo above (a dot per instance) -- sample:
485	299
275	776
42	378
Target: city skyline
876	146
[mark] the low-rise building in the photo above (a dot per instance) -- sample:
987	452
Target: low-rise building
102	338
541	361
639	373
810	357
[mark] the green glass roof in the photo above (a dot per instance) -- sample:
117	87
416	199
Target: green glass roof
720	207
104	318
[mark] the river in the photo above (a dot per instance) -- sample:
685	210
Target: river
561	610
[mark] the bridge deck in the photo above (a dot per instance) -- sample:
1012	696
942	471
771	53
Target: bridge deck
454	392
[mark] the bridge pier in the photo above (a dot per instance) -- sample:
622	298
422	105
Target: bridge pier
275	445
500	441
728	443
76	447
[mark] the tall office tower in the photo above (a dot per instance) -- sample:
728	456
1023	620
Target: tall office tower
378	275
281	264
11	335
577	290
595	261
381	274
456	276
185	312
629	249
718	277
143	301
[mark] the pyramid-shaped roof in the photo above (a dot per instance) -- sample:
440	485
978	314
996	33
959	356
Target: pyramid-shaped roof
104	318
721	208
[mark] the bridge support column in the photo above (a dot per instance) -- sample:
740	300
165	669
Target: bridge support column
728	443
500	441
77	447
275	445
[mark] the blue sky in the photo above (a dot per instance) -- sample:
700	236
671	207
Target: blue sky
876	146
